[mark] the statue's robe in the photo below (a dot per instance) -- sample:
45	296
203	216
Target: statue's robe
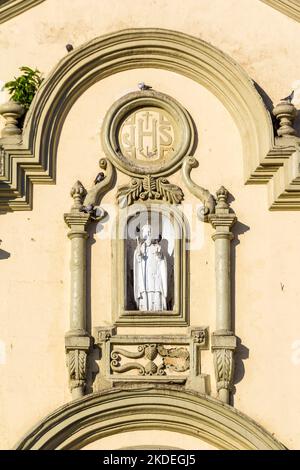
150	277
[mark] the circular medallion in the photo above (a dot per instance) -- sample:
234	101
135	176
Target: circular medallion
147	132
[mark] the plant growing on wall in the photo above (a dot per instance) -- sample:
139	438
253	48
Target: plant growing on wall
23	88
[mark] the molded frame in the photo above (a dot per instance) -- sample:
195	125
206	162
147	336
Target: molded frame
33	160
13	8
290	8
179	316
117	410
138	100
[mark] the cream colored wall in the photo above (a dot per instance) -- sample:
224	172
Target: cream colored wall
34	278
258	37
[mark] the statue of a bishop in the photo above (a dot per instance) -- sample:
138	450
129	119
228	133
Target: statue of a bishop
150	273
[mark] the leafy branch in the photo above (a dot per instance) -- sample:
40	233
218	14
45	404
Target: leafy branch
23	88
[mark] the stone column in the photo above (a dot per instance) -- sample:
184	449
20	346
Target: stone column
223	339
77	339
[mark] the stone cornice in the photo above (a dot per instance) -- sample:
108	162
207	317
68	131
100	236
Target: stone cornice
13	8
290	8
33	160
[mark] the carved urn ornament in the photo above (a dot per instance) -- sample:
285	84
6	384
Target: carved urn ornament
12	112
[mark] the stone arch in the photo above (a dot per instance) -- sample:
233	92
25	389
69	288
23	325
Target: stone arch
120	51
114	411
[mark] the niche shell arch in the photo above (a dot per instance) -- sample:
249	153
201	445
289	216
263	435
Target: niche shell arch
114	411
34	159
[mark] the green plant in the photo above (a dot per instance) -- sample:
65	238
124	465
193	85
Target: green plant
23	88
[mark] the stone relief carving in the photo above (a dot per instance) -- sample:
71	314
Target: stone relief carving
76	362
176	359
147	133
223	347
224	366
157	358
198	336
149	188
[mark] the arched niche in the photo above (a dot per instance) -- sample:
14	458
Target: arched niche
114	411
121	51
169	223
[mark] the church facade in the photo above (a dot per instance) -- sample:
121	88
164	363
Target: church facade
149	208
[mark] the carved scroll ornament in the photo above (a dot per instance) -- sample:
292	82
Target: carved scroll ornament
176	359
200	193
102	185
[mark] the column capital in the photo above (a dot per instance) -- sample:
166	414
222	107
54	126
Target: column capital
77	222
223	345
223	339
223	218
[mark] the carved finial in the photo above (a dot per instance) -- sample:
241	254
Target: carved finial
78	193
222	195
285	112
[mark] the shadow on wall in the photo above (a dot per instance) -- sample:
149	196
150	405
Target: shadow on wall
242	352
4	254
94	354
270	106
296	124
268	103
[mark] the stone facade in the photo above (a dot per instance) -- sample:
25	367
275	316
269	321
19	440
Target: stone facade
214	77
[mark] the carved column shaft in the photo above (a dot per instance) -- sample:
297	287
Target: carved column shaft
77	339
223	339
83	211
78	277
222	270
